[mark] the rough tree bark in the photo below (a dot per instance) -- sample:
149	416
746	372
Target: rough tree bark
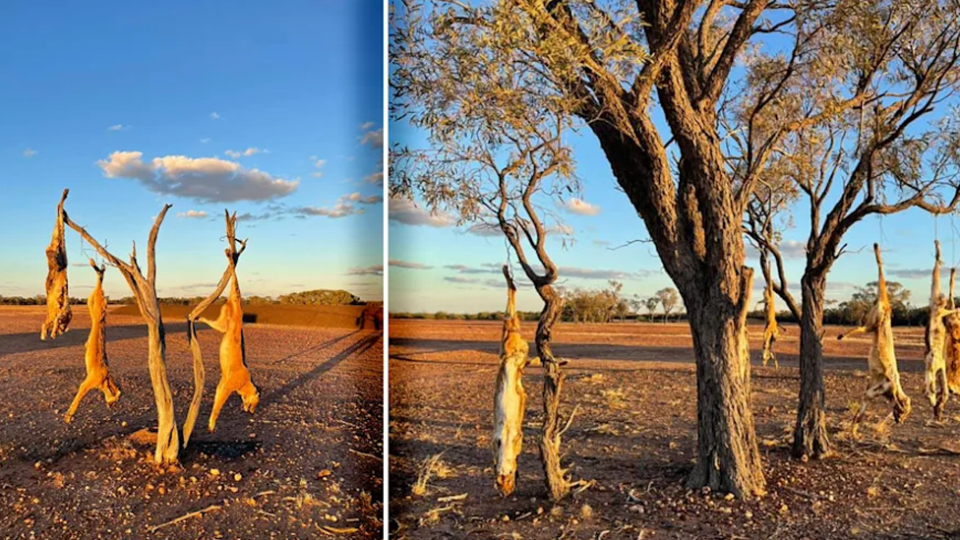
145	292
553	377
810	432
199	374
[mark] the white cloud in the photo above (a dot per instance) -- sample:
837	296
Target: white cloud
374	138
195	214
320	163
409	265
366	125
115	127
203	179
30	152
405	211
579	207
205	140
214	115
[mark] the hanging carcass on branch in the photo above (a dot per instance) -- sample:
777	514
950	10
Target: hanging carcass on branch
495	158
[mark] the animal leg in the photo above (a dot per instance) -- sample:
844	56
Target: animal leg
87	385
218	401
943	393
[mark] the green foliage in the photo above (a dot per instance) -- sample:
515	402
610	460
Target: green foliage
321	297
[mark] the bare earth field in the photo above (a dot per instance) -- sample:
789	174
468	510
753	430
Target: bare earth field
633	441
306	465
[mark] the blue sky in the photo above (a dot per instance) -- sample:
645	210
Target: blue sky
438	266
273	110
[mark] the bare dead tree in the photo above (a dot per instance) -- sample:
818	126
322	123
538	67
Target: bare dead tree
145	292
233	256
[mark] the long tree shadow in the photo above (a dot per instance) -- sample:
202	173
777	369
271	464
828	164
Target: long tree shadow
615	352
30	342
315	348
357	348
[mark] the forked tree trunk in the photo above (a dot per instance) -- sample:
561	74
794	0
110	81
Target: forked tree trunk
728	458
810	433
555	476
168	441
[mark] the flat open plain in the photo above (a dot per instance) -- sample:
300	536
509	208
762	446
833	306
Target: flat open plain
306	465
633	440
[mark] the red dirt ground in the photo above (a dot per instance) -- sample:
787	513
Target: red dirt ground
306	465
633	439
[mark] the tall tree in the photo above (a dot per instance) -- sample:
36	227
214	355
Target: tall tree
894	149
692	175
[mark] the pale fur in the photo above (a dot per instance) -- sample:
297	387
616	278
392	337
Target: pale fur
510	398
234	375
935	369
884	376
95	359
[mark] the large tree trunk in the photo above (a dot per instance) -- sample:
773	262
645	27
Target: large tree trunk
810	434
728	458
168	441
551	431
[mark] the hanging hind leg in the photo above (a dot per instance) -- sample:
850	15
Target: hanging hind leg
943	393
87	385
883	388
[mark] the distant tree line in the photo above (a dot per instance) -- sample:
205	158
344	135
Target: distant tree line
318	297
609	305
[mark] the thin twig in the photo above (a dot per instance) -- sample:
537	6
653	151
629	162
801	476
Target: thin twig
184	517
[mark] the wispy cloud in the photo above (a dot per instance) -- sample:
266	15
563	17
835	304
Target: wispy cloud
345	206
374	270
203	179
115	127
405	211
457	279
484	268
214	115
193	214
373	138
318	164
579	207
366	126
245	153
205	140
916	273
409	265
30	152
789	249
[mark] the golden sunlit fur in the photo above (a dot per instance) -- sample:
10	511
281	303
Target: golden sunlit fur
772	330
952	347
935	372
234	375
98	370
58	298
510	399
884	376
